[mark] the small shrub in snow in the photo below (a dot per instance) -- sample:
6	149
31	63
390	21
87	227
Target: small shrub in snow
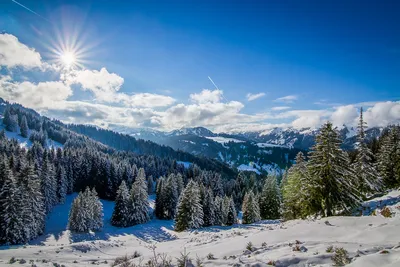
341	257
22	261
385	212
225	257
124	260
299	248
296	248
184	260
199	262
210	256
250	246
329	249
264	244
384	252
12	260
271	262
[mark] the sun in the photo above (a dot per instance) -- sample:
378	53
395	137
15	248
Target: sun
68	58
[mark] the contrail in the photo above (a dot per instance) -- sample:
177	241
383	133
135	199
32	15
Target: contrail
213	82
30	10
217	88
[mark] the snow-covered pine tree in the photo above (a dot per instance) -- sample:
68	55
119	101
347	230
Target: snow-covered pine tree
12	228
225	209
231	218
121	216
389	158
208	208
150	185
333	176
270	199
297	191
6	116
48	184
189	212
24	127
159	209
250	208
96	211
10	120
171	197
62	184
367	176
139	200
86	213
12	126
34	211
219	211
78	215
179	183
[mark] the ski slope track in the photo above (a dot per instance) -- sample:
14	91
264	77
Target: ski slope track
371	240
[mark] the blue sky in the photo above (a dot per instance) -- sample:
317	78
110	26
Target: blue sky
329	57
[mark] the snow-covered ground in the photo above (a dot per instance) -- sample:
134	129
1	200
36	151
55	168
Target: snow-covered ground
223	140
264	145
369	240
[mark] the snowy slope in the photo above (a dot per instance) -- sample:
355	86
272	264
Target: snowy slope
25	142
363	237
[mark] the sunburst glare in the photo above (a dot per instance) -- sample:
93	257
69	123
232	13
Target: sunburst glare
68	58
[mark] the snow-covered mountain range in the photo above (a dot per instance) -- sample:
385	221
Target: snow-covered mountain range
271	150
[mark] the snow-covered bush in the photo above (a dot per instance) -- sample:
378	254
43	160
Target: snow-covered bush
341	257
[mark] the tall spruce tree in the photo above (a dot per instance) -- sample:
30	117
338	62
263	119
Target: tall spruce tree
250	209
367	176
231	217
33	212
62	184
389	158
121	213
24	127
159	210
171	197
96	210
298	191
139	200
208	208
333	176
189	212
86	212
270	199
48	184
219	217
12	228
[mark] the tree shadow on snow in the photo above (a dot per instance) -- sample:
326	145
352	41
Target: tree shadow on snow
56	225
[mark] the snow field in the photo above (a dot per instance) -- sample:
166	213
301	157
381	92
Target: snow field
366	238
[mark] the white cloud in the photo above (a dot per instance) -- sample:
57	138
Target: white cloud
13	53
40	96
105	86
207	96
286	99
251	97
280	108
382	114
344	115
147	100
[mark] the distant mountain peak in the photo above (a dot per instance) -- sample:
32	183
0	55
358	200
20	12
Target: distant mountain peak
199	131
